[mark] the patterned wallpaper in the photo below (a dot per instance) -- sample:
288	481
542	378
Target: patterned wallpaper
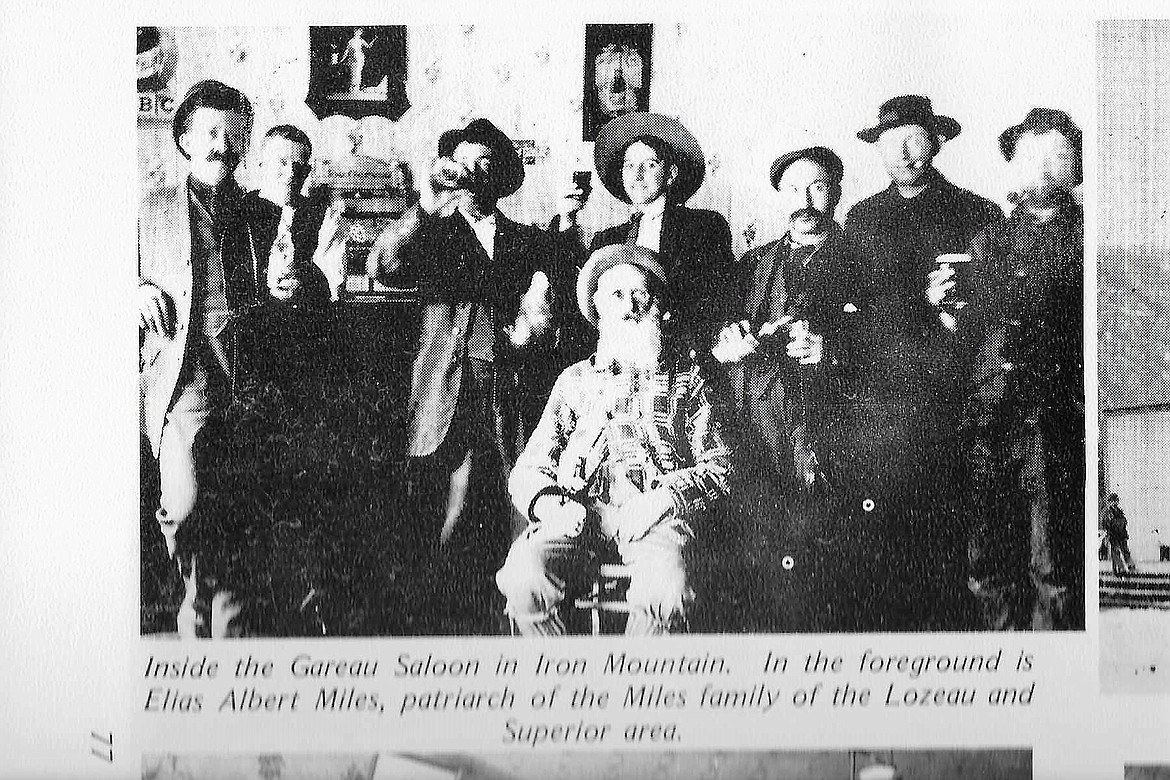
748	92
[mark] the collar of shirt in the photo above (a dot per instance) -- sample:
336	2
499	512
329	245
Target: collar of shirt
210	199
934	185
653	211
650	225
617	369
484	229
809	249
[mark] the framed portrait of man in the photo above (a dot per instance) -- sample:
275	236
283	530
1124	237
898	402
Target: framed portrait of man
617	73
358	71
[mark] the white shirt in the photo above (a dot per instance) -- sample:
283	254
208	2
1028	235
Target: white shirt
650	226
485	231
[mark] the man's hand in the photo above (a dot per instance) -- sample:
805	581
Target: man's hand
805	346
735	343
156	311
642	512
332	242
445	183
940	281
569	204
535	316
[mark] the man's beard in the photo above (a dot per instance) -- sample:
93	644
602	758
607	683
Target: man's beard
630	343
1045	195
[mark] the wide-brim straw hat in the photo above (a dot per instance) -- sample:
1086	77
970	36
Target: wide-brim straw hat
612	139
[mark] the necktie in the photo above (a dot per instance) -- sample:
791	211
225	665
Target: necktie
635	222
280	259
796	276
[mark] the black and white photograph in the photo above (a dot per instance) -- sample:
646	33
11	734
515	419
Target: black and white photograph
1147	772
1133	316
535	390
986	764
812	365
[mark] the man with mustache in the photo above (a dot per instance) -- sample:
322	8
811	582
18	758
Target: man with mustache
786	352
904	467
197	270
627	458
1023	328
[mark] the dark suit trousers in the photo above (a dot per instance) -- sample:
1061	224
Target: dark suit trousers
465	480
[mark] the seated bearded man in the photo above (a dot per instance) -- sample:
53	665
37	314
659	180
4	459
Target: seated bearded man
628	455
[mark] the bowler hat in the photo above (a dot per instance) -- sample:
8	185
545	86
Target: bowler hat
508	169
606	258
1040	121
618	133
910	110
821	155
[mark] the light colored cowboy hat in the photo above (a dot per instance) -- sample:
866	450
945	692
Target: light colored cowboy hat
613	138
608	257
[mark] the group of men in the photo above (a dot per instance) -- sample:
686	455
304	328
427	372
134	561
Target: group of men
891	413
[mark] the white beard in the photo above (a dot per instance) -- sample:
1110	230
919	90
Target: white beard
631	344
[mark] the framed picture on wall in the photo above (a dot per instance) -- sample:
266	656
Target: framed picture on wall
358	71
617	73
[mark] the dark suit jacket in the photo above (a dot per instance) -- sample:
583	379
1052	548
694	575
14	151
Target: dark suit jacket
455	276
897	242
821	299
695	250
772	390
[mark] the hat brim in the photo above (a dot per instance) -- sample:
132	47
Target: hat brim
1010	137
620	132
1061	124
608	257
821	155
944	127
508	167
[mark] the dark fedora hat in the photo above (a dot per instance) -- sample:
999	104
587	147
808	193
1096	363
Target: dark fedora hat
1040	121
508	167
821	155
612	139
910	110
210	94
